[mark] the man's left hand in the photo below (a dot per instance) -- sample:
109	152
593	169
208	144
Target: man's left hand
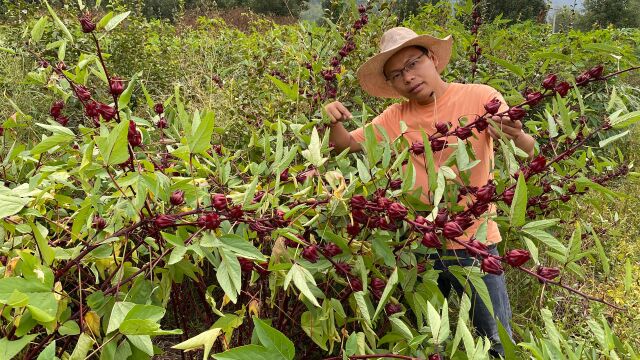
511	129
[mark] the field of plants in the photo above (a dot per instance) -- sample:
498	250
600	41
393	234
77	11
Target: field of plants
169	190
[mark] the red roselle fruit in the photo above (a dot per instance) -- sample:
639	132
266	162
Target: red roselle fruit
562	88
516	113
310	253
117	86
377	284
442	217
62	120
343	268
395	184
83	93
262	268
397	211
284	175
491	265
486	192
442	128
158	108
392	308
91	109
493	106
164	221
1	130
177	198
438	144
507	196
56	108
87	23
547	273
481	124
538	164
435	357
596	71
550	81
235	212
463	133
353	229
209	221
134	136
464	221
534	98
476	248
332	249
107	112
358	202
355	284
246	265
162	123
452	230
417	148
219	201
99	223
517	257
431	240
218	149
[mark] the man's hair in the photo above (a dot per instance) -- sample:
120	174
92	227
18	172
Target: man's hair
422	48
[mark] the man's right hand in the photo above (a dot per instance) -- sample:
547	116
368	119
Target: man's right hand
337	112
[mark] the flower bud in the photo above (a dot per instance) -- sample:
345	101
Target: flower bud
310	253
442	128
491	265
516	113
476	248
332	249
397	211
452	230
596	71
87	23
438	144
392	308
353	229
56	108
209	221
99	223
417	148
177	198
547	273
534	98
219	201
117	86
463	133
431	240
358	202
83	93
507	196
550	81
158	108
517	257
246	265
395	184
493	106
538	164
562	88
164	221
442	217
284	175
486	192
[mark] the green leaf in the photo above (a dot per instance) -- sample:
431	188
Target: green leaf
69	328
10	202
42	302
625	120
273	339
241	247
38	29
114	21
59	22
363	171
519	204
125	97
253	352
200	139
507	343
613	138
46	252
49	353
604	260
362	306
105	19
300	277
290	91
49	142
547	239
84	344
229	275
481	290
113	147
388	290
118	314
9	349
205	339
313	153
507	65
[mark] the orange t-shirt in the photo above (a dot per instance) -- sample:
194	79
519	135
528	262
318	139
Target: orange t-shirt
458	101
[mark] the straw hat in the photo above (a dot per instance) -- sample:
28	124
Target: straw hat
371	74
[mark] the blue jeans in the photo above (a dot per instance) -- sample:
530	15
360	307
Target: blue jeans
484	323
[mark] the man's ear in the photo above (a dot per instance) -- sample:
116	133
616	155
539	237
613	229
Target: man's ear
433	58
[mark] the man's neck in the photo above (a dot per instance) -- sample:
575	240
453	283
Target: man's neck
437	93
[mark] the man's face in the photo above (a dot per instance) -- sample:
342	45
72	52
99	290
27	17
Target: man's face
413	74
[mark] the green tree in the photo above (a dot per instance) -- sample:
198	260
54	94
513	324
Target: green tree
515	9
619	13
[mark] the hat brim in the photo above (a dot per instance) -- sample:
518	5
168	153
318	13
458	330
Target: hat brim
371	75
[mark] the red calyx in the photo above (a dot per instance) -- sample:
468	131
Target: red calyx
491	265
517	257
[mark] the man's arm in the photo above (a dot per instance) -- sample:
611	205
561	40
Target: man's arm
338	135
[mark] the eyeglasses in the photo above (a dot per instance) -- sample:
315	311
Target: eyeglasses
396	76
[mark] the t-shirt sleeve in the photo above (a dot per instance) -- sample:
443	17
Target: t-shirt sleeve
382	120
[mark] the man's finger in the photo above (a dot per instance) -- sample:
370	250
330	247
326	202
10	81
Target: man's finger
344	111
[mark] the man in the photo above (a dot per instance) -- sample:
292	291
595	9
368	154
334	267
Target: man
409	66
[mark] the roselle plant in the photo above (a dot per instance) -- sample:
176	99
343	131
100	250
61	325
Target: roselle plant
278	247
